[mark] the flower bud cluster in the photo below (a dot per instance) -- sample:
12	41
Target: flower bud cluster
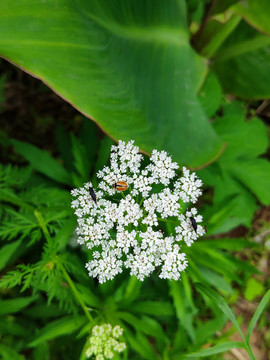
127	229
104	342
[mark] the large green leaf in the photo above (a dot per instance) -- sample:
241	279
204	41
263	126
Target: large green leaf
247	52
257	13
126	64
239	175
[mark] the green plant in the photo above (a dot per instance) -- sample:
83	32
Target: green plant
219	301
155	72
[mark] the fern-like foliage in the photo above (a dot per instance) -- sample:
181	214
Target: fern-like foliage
17	224
22	275
20	200
30	206
13	177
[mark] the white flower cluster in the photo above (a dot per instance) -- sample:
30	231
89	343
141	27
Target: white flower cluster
104	343
137	218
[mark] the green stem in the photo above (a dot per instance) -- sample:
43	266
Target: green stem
64	271
43	226
250	353
169	221
76	293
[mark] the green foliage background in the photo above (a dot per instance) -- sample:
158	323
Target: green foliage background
159	73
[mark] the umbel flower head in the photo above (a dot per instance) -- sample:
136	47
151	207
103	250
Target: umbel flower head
143	227
104	342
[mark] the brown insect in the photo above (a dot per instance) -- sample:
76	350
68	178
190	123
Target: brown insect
120	186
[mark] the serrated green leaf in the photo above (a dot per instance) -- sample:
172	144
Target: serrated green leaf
127	65
19	224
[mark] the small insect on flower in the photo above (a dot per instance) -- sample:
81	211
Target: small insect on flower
193	223
120	185
93	195
128	232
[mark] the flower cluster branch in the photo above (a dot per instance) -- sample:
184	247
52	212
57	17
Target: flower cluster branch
125	229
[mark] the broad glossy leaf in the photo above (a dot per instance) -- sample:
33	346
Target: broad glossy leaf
220	6
126	64
256	13
210	95
213	33
247	52
255	175
239	176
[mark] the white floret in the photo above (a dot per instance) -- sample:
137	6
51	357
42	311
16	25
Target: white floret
127	229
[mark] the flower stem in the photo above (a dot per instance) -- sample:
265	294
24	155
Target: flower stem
76	293
63	269
168	221
43	226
